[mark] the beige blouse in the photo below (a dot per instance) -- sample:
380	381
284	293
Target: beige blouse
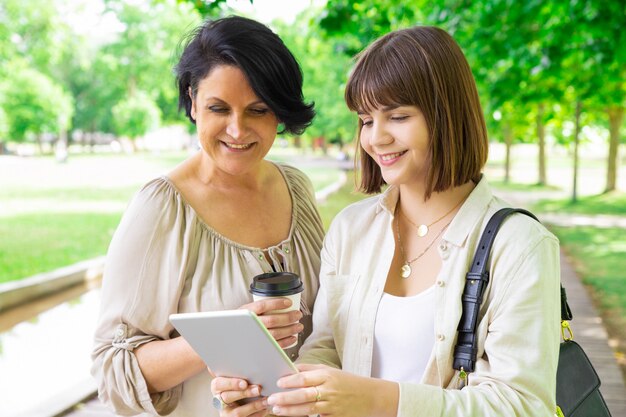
163	259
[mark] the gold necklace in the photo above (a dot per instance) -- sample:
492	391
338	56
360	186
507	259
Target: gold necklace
422	229
405	270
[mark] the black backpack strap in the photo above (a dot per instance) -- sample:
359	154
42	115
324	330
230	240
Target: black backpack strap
476	281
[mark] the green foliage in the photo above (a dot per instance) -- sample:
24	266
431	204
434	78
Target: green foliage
4	125
207	7
325	73
136	115
34	103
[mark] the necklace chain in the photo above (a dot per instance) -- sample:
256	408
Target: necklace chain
422	229
406	268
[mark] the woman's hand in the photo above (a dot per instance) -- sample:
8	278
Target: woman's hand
231	390
332	392
284	327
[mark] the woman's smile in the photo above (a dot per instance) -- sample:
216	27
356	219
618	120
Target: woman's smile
237	147
390	158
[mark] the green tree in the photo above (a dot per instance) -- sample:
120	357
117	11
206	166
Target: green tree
135	116
34	104
325	71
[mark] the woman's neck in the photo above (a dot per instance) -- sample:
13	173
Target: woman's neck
208	173
418	210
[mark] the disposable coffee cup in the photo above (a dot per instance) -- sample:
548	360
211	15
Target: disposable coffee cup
278	284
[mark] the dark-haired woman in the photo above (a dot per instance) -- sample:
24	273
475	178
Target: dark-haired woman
393	266
193	239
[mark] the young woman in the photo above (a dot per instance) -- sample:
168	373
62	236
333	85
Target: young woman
393	266
194	239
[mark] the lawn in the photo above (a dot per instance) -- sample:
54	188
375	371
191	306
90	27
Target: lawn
610	203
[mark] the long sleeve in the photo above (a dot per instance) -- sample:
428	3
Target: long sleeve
320	348
141	287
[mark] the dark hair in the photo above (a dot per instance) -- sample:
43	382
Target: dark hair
271	69
424	67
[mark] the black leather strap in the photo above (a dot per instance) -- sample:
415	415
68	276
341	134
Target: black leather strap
476	281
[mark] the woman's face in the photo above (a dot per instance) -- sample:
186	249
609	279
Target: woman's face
235	128
397	139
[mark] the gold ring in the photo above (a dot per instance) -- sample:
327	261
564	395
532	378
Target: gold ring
318	396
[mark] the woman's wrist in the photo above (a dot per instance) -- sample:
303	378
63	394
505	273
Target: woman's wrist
385	396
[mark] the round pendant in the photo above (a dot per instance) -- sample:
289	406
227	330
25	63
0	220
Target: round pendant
405	271
422	230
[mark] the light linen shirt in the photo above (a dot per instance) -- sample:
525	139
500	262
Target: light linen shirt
518	330
164	259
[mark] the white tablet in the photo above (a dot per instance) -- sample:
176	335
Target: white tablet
235	343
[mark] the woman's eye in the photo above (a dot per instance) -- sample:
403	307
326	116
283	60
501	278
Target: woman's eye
367	122
218	109
259	111
399	118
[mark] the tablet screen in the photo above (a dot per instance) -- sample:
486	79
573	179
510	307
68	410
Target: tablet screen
235	343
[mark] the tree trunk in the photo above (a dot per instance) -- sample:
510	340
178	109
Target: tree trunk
508	142
541	140
576	140
616	116
39	143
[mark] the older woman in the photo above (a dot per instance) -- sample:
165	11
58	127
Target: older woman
193	239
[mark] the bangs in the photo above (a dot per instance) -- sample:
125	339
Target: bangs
379	80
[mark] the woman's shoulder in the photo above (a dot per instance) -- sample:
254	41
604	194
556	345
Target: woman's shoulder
364	210
520	233
156	201
297	180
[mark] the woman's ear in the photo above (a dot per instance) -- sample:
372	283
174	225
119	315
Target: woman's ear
193	104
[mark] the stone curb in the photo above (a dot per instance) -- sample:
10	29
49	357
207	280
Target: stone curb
16	293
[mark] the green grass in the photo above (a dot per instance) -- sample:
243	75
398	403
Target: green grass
598	256
337	201
516	186
611	203
36	243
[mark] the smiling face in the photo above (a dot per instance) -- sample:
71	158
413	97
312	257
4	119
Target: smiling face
397	139
235	128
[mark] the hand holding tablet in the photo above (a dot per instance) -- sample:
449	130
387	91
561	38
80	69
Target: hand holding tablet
234	343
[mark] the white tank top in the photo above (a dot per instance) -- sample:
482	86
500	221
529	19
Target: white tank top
404	336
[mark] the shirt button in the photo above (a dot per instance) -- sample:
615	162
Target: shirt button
443	246
261	256
440	337
287	250
441	283
119	332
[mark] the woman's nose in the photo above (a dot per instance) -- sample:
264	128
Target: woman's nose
235	127
379	135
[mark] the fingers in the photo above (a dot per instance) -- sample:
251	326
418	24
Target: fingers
256	408
229	397
220	384
304	401
279	333
280	319
267	304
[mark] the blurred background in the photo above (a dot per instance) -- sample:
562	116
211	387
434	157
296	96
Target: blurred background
88	113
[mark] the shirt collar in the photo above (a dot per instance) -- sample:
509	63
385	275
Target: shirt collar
471	212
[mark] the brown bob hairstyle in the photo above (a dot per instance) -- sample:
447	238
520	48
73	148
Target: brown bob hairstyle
424	67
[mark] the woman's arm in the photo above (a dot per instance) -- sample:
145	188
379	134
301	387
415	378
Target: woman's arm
167	363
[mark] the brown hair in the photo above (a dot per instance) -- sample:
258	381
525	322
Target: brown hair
424	67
